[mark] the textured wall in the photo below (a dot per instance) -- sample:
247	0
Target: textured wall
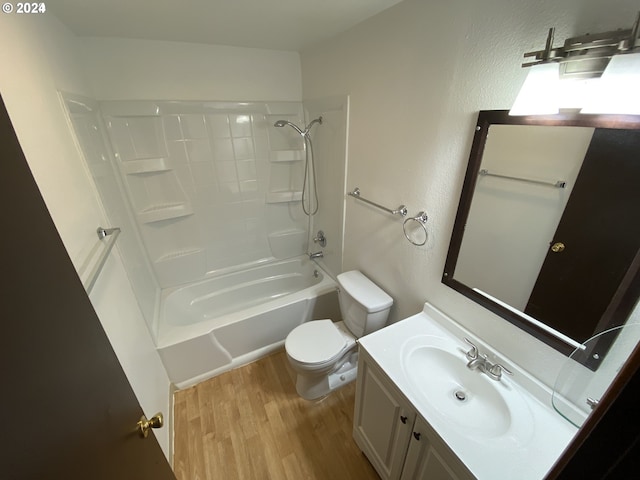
124	69
417	74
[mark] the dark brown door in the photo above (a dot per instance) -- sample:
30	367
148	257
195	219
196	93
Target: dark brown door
68	410
597	240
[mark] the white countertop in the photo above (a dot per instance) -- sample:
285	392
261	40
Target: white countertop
527	453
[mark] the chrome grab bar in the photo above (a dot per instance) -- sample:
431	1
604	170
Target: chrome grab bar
401	210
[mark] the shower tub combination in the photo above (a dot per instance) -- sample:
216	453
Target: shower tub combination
219	323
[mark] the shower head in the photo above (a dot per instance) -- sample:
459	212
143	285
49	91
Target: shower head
305	132
282	123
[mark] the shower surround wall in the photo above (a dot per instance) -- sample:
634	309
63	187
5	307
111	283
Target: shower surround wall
86	122
213	185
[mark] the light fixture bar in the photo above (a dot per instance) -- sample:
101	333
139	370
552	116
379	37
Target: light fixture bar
597	73
586	56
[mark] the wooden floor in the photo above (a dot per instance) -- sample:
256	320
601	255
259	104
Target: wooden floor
250	423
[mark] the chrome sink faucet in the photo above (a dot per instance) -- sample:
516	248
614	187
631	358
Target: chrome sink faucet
482	363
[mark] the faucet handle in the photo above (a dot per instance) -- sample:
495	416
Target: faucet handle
473	353
320	239
496	370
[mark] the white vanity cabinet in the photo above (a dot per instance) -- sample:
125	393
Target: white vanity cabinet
428	458
397	441
383	420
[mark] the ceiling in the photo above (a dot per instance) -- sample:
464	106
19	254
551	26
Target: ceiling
271	24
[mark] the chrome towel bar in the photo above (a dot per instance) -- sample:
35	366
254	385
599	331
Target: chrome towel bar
401	210
419	221
108	245
556	184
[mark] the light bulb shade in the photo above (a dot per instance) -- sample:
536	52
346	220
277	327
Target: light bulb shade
539	93
618	90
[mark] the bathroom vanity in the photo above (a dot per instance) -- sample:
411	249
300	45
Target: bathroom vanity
398	441
421	412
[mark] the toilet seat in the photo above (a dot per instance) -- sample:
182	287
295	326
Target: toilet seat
315	343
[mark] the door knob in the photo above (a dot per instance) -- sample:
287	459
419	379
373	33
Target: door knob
144	425
557	247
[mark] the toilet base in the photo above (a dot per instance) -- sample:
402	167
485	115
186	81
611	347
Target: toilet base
312	387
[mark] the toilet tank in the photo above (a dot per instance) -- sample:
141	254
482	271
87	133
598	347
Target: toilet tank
364	306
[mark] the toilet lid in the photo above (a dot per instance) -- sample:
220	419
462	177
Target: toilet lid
317	341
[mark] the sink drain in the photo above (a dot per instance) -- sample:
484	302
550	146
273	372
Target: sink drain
460	396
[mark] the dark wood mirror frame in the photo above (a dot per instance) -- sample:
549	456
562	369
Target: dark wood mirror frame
629	290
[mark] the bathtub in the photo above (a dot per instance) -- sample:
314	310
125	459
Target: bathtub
219	323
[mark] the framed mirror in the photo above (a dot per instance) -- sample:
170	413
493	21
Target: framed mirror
547	233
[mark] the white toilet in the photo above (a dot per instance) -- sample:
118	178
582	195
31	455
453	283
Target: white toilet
324	353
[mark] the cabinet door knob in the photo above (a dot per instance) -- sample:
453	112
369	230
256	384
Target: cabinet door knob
403	419
417	435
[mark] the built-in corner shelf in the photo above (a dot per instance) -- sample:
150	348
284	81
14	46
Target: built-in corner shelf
284	196
291	232
146	165
286	155
157	213
168	257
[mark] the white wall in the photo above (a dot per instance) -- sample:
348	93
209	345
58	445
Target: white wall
38	55
417	74
124	69
89	131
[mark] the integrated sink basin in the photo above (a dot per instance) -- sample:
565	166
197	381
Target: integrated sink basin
466	400
500	429
460	394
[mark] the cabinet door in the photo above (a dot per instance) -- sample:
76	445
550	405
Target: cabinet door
428	458
382	421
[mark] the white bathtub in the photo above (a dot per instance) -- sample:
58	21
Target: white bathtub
217	324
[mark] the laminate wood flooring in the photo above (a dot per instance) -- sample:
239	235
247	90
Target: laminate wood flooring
250	423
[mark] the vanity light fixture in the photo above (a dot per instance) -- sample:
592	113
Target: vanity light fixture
617	90
605	67
539	94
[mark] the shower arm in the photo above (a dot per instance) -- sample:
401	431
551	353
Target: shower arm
311	123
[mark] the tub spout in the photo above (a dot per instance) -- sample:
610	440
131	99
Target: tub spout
316	255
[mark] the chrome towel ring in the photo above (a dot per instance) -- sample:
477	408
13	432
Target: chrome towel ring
421	220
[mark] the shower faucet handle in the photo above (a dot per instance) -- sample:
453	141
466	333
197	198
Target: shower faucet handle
320	239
